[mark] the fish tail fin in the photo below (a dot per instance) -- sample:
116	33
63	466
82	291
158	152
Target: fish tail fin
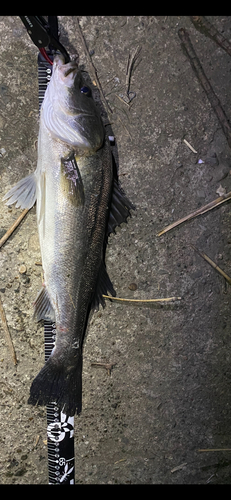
58	383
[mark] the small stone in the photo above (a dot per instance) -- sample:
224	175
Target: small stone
132	286
2	151
221	191
212	160
25	279
22	269
221	173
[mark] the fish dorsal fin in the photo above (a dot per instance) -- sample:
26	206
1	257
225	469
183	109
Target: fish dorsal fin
119	208
104	285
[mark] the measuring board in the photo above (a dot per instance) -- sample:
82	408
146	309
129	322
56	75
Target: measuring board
60	428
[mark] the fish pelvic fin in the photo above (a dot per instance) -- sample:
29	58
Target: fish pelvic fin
59	383
23	193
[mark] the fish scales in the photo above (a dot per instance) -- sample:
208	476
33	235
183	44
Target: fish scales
79	203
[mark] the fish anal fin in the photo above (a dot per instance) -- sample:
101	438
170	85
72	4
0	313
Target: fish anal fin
42	306
104	285
23	193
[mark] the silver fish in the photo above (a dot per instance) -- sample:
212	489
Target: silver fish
79	203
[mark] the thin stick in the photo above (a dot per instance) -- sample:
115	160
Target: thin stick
204	26
213	264
36	440
215	449
91	64
124	126
122	100
199	211
13	227
108	366
130	65
169	299
179	467
199	72
7	333
189	146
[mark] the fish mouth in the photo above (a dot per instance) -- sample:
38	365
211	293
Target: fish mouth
67	69
68	73
70	70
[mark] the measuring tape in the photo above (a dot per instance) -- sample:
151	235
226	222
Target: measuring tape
60	428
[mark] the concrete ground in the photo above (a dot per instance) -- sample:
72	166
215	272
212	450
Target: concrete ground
169	393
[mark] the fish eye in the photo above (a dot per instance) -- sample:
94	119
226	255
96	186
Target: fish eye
85	90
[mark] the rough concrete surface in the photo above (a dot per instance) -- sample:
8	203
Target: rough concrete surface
169	393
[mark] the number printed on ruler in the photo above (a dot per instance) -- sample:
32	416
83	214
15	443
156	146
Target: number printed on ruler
60	433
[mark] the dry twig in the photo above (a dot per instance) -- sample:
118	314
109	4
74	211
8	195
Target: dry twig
7	333
36	440
215	449
132	58
124	126
92	67
199	211
179	467
168	299
204	26
213	264
199	72
13	227
130	65
189	146
122	100
119	461
108	366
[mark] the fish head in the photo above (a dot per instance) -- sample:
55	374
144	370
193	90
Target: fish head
69	110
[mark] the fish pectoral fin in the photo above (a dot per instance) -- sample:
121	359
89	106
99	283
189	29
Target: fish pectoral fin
42	306
24	193
119	208
72	184
103	286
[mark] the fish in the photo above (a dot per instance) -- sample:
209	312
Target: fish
79	203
